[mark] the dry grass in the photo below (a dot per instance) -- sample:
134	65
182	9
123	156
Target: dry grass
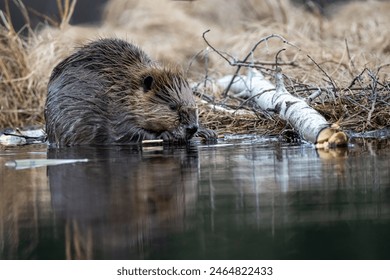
22	80
346	56
18	98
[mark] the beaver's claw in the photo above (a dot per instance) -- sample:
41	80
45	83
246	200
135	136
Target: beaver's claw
207	134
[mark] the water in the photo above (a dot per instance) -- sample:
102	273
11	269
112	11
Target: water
249	198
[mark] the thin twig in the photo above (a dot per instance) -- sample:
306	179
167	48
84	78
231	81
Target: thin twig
326	74
44	17
357	78
374	94
203	96
314	95
253	65
260	63
214	49
276	56
349	54
206	68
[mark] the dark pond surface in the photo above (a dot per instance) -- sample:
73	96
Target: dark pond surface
250	198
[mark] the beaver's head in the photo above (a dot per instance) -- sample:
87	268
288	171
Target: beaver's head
162	106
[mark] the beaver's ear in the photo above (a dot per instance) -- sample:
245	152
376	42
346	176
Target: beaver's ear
147	83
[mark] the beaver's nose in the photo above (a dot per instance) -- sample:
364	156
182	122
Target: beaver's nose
191	130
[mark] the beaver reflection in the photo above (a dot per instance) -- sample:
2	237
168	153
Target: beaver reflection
114	206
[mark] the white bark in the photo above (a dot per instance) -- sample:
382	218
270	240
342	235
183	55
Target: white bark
276	99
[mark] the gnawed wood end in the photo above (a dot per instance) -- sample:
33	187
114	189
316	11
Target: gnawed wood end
331	137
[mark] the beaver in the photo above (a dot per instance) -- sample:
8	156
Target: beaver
110	91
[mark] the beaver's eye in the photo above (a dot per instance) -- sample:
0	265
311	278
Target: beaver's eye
173	106
147	83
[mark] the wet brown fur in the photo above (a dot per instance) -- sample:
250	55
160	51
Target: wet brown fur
110	91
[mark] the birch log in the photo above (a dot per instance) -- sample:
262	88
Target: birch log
311	125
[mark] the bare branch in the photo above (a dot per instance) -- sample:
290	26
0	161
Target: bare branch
326	74
243	62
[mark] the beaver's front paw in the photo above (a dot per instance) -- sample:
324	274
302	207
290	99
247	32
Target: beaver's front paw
208	135
172	138
167	136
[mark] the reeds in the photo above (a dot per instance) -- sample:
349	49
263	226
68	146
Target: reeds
17	96
22	95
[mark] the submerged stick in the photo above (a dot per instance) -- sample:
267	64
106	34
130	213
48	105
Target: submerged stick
34	163
311	125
